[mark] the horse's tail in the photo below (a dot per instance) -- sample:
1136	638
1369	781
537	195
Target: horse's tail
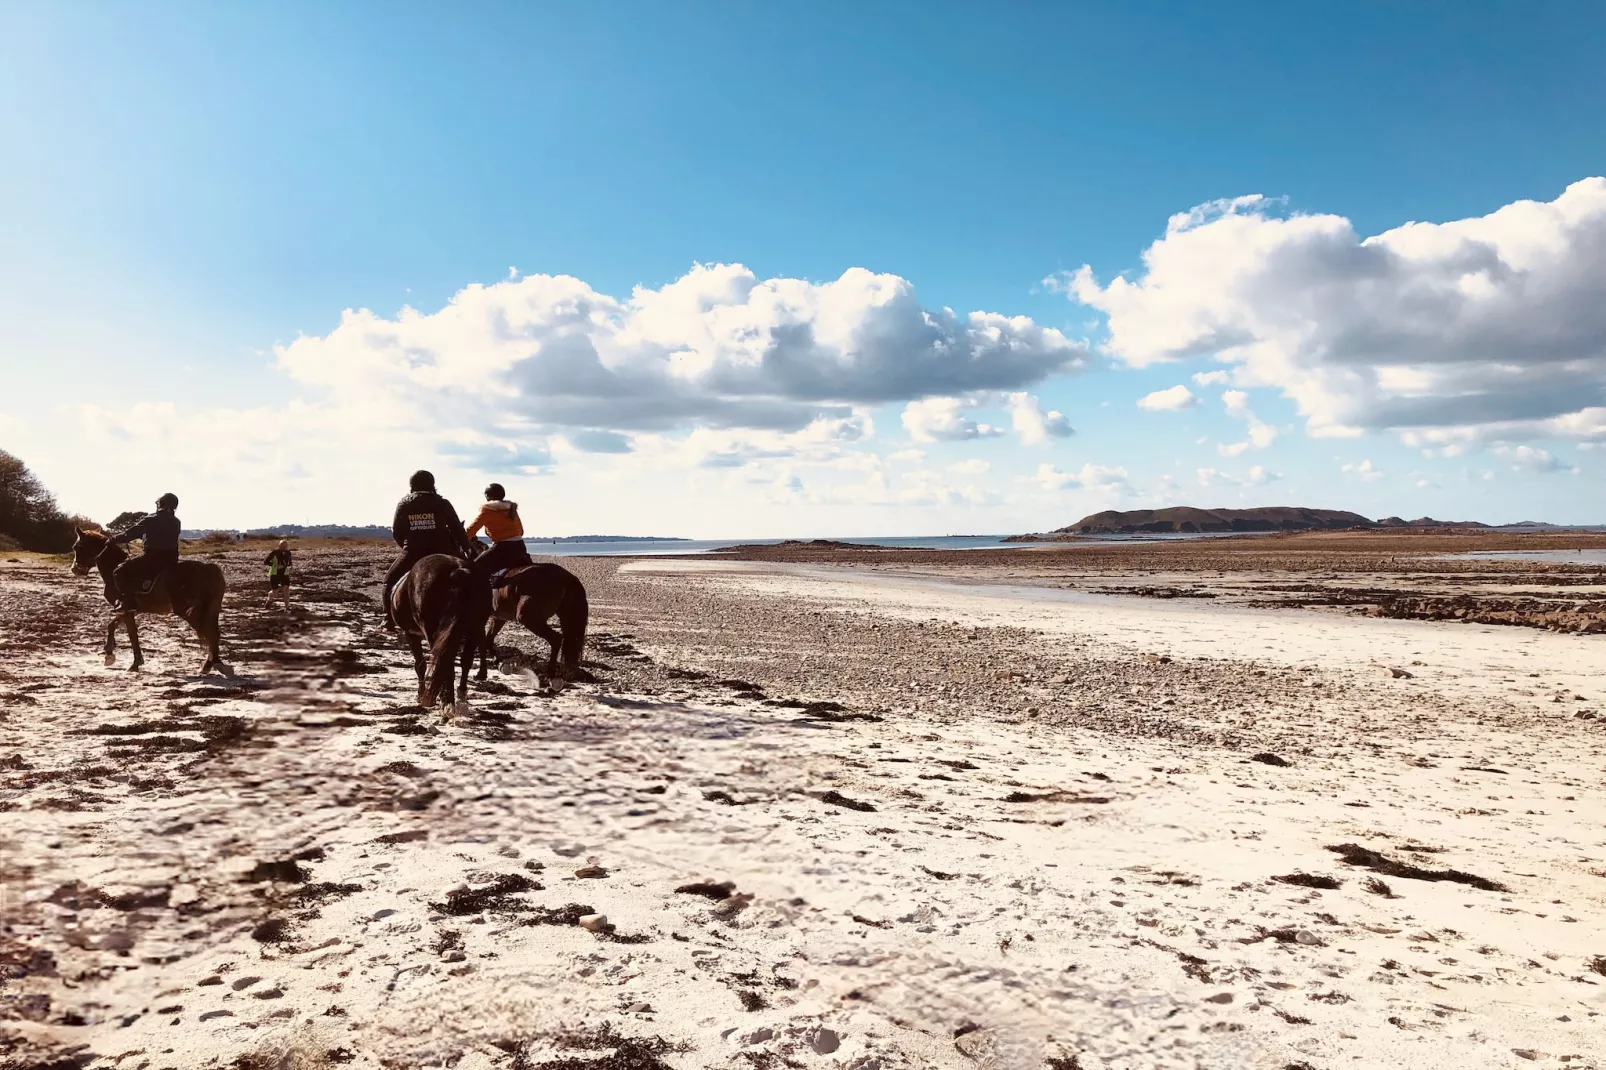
573	613
459	625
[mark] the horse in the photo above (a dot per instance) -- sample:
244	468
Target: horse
440	602
532	595
193	592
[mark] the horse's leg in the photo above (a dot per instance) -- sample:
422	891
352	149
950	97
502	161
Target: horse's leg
493	628
110	649
545	631
465	659
196	619
132	625
417	647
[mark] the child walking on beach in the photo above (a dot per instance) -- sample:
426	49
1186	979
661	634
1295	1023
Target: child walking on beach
278	561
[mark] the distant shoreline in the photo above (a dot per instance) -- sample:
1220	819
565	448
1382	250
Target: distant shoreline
376	531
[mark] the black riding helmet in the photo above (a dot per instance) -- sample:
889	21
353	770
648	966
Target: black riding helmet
167	501
495	492
421	480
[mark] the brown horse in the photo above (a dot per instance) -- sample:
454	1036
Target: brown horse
533	595
194	592
440	602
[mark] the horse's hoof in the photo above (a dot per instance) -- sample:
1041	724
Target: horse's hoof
111	659
460	708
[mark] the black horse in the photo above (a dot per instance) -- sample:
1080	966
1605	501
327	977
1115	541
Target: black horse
533	595
440	602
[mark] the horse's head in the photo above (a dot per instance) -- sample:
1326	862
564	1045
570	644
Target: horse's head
86	549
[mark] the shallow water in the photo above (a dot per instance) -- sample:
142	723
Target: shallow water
1558	557
659	547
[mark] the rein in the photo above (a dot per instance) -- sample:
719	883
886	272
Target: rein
109	558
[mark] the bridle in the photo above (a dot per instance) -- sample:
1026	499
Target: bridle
79	568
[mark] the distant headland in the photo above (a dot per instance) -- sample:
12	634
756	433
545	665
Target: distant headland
1188	520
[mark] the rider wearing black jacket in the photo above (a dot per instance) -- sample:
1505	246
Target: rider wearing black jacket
425	524
160	531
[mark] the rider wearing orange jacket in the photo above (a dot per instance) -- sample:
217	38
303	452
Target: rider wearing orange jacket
500	519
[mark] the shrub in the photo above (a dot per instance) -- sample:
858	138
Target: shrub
28	512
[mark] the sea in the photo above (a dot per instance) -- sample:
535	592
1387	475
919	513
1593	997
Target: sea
1559	557
656	547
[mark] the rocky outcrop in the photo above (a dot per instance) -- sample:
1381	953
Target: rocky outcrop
1587	617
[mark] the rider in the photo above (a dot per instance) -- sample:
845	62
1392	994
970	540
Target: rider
160	531
500	519
425	524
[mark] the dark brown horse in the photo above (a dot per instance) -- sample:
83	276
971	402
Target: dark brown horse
193	592
533	595
442	603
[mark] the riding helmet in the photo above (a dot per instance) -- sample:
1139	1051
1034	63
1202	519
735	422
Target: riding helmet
421	480
495	492
167	501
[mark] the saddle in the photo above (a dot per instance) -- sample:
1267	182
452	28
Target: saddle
503	576
153	595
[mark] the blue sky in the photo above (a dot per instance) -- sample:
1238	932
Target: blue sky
189	186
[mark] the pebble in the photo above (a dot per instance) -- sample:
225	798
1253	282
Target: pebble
453	956
1308	938
824	1041
594	922
590	872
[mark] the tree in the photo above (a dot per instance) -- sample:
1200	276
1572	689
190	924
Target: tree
127	519
28	512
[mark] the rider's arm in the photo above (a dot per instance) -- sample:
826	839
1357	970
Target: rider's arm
398	526
479	522
455	526
138	531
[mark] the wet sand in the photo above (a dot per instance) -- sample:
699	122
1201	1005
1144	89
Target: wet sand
904	814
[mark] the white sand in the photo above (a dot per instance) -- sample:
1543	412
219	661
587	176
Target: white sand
1057	927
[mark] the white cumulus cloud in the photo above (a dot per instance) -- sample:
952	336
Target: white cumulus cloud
1260	434
1494	325
1088	477
1171	399
717	347
1365	471
944	420
1032	424
1532	459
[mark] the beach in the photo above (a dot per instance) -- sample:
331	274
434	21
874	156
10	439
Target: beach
1285	803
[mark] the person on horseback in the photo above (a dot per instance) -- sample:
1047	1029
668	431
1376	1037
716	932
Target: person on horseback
425	524
160	531
500	519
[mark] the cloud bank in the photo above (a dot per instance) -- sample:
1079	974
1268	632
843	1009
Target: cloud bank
1491	327
718	347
